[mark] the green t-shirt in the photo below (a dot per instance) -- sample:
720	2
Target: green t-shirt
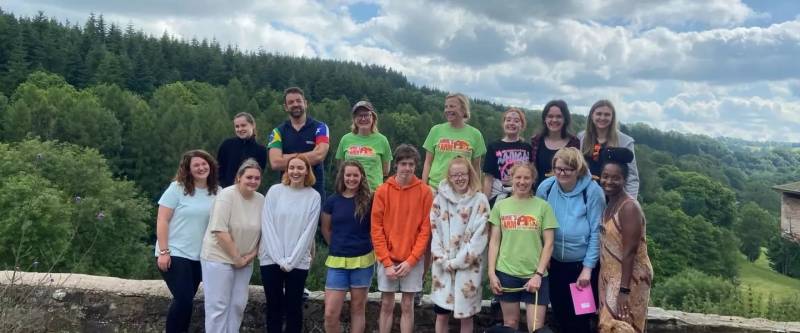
521	224
371	151
446	143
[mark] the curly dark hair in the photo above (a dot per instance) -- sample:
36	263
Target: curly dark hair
184	174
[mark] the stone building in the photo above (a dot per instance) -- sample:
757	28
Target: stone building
790	210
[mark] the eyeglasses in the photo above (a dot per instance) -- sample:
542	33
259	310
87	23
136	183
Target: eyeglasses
564	171
459	176
363	116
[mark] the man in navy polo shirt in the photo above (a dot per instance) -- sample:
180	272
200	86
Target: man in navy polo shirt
301	134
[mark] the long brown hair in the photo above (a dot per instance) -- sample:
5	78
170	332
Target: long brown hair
590	138
184	174
363	197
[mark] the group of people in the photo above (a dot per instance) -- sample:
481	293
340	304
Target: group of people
559	210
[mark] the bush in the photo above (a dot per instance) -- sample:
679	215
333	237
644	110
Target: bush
694	291
690	285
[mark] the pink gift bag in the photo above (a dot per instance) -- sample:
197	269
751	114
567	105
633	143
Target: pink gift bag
582	299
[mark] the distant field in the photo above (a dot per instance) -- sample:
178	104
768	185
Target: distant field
759	276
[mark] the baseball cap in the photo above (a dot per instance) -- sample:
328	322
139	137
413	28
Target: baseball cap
363	104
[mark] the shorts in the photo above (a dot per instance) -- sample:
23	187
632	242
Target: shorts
440	310
346	279
411	283
509	281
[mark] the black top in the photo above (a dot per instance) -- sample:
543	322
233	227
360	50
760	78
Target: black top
233	151
501	156
596	161
544	163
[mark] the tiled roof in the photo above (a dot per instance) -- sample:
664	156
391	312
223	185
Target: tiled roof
788	188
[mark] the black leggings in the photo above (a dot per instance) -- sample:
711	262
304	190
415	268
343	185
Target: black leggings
284	293
182	278
561	275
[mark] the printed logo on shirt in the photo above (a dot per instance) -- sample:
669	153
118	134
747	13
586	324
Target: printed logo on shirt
458	146
363	151
519	222
506	159
274	138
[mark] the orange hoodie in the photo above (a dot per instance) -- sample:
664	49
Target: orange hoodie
401	225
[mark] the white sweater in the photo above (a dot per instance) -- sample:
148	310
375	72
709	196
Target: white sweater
288	224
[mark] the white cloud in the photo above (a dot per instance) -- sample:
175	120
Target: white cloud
677	64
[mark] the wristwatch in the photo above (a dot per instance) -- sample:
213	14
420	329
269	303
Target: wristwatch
163	252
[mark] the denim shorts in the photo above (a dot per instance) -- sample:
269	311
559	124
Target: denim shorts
510	281
344	279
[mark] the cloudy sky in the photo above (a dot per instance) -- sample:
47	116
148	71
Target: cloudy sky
716	67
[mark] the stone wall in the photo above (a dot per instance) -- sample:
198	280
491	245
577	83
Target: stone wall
790	215
38	302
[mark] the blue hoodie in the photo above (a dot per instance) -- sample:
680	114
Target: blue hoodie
578	235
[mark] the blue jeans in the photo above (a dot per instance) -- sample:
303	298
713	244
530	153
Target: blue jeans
182	278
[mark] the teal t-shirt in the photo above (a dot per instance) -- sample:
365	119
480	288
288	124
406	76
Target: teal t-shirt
190	215
521	224
370	150
446	143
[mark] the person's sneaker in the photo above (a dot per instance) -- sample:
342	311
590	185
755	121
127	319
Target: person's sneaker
418	299
305	294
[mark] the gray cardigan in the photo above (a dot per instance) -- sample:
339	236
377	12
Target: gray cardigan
632	183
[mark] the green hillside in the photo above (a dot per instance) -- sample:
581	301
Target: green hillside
759	276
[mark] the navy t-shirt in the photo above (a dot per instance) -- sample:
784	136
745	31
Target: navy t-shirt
349	236
292	141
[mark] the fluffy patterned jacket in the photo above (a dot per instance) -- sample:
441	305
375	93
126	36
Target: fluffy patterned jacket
459	239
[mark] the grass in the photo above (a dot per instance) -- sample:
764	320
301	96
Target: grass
761	278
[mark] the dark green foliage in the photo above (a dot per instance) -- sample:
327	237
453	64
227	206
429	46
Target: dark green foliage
676	290
755	227
63	209
784	256
693	291
680	241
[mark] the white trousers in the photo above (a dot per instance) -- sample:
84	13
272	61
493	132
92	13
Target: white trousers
226	292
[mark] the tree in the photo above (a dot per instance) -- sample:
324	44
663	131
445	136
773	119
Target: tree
784	256
755	227
682	241
34	226
46	106
62	207
701	195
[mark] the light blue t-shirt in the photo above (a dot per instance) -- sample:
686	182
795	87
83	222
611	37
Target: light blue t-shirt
189	220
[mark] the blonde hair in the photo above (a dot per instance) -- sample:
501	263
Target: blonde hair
463	100
310	179
590	138
474	184
249	163
572	157
525	165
